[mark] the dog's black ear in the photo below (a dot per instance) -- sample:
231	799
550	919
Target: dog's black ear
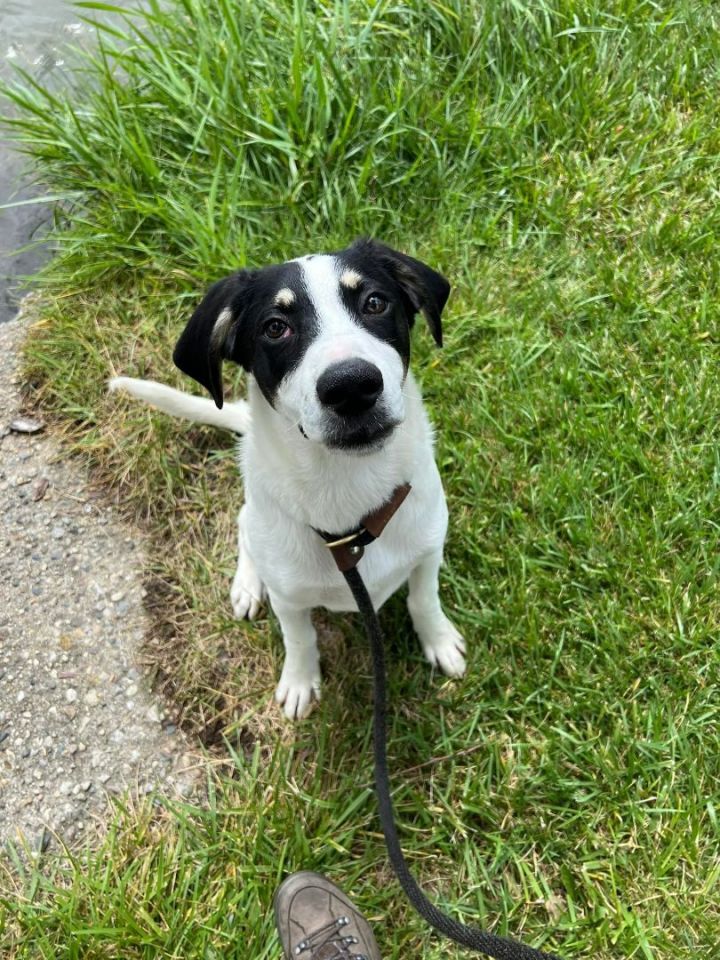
209	336
426	289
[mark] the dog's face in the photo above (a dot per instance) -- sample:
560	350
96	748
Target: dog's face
327	338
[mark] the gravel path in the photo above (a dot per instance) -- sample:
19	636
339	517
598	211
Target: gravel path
77	721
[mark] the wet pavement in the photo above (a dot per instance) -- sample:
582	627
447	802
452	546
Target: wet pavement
39	36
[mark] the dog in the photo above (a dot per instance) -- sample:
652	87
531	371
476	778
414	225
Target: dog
333	424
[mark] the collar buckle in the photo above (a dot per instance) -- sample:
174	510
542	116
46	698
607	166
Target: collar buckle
347	550
347	539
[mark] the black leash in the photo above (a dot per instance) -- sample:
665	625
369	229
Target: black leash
488	943
479	940
347	551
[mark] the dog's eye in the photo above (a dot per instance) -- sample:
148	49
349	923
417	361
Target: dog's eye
375	304
276	329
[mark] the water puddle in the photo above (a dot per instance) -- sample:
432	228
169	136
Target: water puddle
38	36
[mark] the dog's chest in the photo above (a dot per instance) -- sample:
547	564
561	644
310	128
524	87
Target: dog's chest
292	488
385	567
295	564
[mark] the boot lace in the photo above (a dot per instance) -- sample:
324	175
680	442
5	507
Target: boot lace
329	936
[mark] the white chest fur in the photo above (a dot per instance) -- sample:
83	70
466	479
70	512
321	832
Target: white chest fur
294	485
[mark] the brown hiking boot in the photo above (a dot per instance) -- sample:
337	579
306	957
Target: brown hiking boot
316	921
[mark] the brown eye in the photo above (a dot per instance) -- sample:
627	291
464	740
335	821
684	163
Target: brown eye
276	329
375	304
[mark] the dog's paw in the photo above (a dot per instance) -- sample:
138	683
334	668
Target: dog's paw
444	647
247	593
297	690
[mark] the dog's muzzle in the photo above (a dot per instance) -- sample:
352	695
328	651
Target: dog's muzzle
350	393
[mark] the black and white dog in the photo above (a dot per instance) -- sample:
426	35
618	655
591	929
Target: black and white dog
333	424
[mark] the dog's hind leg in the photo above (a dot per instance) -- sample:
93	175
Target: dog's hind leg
300	679
247	592
442	644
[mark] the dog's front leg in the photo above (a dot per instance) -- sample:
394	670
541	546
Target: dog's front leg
300	678
247	592
441	642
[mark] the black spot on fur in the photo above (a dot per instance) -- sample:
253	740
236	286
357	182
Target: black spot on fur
407	285
249	295
422	289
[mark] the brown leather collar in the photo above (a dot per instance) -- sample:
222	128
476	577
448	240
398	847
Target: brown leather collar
348	548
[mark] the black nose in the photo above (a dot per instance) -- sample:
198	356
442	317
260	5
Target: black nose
350	387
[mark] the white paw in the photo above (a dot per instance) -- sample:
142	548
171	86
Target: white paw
444	647
297	690
247	593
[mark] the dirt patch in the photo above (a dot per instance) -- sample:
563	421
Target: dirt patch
78	721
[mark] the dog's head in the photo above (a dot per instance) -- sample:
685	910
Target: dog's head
326	337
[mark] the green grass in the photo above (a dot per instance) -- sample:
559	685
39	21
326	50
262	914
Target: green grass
559	161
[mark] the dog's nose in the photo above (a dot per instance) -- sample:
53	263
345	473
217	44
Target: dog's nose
350	387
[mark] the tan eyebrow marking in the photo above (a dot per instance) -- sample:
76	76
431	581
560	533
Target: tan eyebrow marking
351	279
285	297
